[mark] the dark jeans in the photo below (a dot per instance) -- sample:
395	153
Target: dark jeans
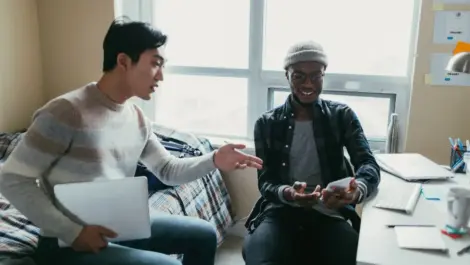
297	236
193	237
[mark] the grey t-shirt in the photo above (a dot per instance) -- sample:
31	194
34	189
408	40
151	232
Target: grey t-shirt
305	162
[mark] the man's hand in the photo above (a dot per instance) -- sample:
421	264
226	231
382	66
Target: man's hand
92	239
340	197
228	158
296	194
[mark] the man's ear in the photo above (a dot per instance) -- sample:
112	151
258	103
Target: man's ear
123	61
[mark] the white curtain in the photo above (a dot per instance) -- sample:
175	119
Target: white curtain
391	144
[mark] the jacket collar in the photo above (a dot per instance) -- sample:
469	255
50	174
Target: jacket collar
289	105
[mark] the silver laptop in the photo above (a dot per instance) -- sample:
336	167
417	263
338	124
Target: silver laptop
119	204
412	167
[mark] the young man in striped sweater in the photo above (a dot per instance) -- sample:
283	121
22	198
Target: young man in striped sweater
94	132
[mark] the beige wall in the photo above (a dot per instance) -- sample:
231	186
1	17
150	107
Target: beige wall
436	112
242	186
48	47
72	33
20	67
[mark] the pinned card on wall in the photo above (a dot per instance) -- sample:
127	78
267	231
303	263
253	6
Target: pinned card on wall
451	27
461	47
438	7
440	76
428	79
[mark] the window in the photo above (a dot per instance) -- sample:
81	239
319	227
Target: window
374	122
362	37
205	33
225	55
204	104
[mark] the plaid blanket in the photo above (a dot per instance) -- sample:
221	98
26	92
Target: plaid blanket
18	236
206	198
8	141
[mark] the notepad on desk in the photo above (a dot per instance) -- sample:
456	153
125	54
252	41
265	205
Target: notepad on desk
420	238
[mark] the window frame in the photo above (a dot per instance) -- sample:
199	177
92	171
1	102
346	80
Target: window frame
376	143
261	81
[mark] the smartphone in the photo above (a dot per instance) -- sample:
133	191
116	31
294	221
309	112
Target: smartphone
339	184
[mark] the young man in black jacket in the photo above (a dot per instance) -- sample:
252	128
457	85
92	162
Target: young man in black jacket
301	143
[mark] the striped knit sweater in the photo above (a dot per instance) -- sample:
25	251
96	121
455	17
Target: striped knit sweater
84	136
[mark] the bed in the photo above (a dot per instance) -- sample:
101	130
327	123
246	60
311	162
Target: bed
206	198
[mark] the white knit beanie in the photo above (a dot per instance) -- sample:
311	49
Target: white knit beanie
305	51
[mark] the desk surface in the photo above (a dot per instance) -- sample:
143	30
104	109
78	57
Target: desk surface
378	244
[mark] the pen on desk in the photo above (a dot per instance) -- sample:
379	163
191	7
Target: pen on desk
409	225
429	198
463	250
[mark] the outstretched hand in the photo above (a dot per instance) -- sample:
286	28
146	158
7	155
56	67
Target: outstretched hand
338	198
297	194
228	158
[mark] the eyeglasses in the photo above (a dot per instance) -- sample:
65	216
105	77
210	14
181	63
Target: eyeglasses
300	78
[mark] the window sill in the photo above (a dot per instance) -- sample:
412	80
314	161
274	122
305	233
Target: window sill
216	142
376	145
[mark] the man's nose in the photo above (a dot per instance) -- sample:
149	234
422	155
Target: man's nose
159	76
308	82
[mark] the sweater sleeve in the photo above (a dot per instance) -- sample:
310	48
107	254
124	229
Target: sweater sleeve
172	170
45	141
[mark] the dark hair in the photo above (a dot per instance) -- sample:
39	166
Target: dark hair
129	37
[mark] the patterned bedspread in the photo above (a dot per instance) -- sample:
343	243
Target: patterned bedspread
206	198
18	236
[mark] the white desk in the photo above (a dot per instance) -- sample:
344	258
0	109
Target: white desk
378	244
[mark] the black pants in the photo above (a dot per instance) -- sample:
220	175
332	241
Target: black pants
297	236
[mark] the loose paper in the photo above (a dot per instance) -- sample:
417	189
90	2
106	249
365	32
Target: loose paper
423	238
451	27
434	191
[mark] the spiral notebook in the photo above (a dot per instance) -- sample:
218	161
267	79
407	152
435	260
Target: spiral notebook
420	238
